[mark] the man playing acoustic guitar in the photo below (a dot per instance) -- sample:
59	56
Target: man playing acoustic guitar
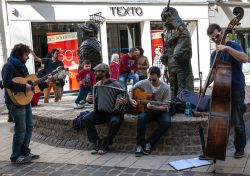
22	115
154	111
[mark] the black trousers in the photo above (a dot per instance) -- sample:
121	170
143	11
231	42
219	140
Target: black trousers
96	118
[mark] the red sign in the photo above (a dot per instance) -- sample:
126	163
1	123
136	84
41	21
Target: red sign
156	40
67	43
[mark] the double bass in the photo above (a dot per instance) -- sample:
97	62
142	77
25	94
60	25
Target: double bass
220	105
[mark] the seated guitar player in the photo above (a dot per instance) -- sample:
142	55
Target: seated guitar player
160	92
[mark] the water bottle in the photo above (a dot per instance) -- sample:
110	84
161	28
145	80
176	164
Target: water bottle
188	109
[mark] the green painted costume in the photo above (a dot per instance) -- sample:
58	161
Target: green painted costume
177	52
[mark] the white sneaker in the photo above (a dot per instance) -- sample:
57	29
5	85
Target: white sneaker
82	102
78	106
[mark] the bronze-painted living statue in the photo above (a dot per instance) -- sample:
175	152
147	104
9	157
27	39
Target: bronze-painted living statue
90	48
177	51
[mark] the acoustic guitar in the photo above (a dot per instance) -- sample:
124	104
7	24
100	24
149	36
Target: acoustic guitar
143	98
24	98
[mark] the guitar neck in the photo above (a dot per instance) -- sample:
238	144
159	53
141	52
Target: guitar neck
39	81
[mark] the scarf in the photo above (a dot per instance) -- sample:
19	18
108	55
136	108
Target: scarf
15	61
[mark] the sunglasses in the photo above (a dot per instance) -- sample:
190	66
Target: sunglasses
216	37
152	80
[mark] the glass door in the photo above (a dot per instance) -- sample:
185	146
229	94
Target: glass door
122	36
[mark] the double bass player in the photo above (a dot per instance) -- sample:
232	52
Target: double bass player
233	53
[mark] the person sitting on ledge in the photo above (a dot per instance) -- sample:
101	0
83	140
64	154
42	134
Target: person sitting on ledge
99	117
160	92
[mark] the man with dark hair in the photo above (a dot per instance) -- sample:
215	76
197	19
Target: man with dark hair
22	115
51	64
160	92
128	67
98	117
232	52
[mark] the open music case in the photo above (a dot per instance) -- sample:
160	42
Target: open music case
188	163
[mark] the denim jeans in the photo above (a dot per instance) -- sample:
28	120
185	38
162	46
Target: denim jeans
123	79
22	116
96	118
164	120
237	111
83	94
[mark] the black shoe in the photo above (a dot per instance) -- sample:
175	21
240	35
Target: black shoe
33	156
138	151
104	148
96	147
147	149
10	119
21	160
239	153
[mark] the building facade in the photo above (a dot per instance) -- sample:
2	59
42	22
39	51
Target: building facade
127	24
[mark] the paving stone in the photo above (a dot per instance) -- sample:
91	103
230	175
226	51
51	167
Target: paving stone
159	171
130	170
104	168
141	174
148	163
56	173
115	160
99	173
127	162
126	174
115	171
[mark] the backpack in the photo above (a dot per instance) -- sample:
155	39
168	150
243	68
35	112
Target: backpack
78	122
204	104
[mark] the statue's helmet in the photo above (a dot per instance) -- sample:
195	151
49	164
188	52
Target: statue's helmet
168	12
89	26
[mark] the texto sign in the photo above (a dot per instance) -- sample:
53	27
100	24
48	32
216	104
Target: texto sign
126	11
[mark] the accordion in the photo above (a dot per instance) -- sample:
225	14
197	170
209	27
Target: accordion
105	99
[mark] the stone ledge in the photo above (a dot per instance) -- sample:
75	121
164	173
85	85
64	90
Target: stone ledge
53	125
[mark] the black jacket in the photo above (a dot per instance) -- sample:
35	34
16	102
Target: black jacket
9	72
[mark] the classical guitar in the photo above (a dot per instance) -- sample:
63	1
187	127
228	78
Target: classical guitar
24	98
143	98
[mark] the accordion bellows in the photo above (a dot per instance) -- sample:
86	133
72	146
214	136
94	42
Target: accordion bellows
105	99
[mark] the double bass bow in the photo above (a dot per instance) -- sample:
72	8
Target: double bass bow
220	106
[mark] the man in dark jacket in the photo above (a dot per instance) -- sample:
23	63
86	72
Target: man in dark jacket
22	115
51	64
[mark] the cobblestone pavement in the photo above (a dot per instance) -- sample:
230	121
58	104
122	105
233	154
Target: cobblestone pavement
62	161
52	169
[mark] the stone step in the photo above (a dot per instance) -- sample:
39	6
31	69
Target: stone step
53	125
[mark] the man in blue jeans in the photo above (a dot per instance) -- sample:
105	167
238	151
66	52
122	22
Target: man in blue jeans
160	92
233	53
22	115
128	67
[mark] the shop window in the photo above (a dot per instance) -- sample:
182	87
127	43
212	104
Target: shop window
123	36
64	36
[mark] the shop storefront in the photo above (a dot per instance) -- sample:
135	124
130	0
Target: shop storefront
42	24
